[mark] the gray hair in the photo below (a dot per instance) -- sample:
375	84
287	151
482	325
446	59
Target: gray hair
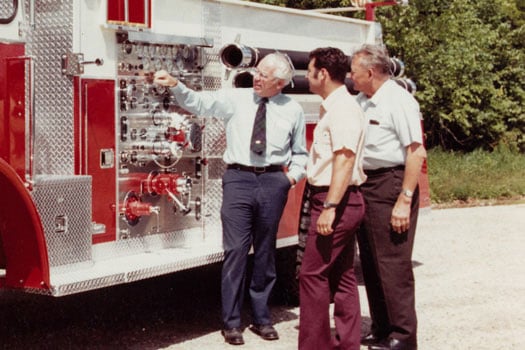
284	68
376	57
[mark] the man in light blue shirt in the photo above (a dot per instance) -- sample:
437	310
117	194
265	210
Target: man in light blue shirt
393	156
255	185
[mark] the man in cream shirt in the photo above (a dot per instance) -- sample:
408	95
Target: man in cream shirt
334	172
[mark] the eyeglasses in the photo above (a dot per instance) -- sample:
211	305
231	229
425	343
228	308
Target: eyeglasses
255	72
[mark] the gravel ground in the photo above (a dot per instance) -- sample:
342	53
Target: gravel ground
470	285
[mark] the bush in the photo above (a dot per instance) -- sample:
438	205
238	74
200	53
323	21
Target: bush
478	175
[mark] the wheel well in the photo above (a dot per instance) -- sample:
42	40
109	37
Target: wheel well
23	251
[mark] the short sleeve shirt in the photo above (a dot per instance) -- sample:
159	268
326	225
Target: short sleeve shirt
341	126
393	123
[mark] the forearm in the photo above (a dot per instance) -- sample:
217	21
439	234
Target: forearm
400	220
416	155
342	166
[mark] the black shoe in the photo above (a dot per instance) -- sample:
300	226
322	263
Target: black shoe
393	344
233	336
267	332
371	339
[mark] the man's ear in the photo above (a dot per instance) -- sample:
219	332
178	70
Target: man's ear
323	73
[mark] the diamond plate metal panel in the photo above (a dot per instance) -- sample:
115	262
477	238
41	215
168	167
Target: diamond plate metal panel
215	138
64	205
133	268
214	147
211	18
6	9
52	36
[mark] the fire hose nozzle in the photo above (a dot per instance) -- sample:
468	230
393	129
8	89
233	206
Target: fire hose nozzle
238	56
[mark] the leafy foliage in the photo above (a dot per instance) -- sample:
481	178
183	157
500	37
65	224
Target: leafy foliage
468	67
467	59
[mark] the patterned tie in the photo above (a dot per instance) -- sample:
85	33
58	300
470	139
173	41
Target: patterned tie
258	143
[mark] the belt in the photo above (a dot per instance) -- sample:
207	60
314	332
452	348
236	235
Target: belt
379	171
256	169
320	189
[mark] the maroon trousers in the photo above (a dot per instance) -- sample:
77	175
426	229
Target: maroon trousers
327	269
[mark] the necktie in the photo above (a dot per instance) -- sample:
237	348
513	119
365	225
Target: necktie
258	143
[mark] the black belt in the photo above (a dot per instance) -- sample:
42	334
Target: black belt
379	171
256	169
320	189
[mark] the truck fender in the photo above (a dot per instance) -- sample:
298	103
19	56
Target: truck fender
23	251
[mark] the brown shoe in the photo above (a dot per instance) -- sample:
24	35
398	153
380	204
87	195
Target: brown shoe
267	332
233	336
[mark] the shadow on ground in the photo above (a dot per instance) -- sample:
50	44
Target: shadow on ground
148	314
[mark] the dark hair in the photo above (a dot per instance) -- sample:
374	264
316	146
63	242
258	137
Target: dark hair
333	60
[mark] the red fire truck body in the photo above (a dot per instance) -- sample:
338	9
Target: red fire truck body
104	179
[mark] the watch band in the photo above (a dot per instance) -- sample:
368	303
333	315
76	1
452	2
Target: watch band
327	205
408	193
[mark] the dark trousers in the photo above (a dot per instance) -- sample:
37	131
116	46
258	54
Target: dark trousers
328	268
251	210
386	258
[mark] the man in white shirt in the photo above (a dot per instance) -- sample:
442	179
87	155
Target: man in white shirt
255	184
393	156
334	172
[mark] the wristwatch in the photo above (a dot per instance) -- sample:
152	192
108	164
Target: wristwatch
408	193
327	205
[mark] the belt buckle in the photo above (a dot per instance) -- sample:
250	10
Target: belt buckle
259	169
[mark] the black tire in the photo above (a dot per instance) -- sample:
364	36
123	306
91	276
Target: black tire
286	290
289	259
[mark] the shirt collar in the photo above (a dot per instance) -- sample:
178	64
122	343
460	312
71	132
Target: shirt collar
382	91
257	98
331	99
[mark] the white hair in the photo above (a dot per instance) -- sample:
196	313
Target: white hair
284	68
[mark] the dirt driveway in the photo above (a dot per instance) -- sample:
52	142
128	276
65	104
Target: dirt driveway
470	280
470	285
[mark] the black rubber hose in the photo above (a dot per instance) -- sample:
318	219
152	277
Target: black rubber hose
299	86
240	56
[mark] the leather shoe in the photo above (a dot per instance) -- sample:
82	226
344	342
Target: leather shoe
393	344
371	338
266	331
233	336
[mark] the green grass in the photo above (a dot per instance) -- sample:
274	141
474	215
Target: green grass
479	175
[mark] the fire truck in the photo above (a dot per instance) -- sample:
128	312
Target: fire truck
104	179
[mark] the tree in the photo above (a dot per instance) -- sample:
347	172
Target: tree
468	65
467	59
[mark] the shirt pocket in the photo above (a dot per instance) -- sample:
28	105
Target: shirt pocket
376	132
278	134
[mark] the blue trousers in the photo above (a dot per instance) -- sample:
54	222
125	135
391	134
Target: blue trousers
252	207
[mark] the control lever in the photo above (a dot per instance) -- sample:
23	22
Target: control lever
97	61
184	209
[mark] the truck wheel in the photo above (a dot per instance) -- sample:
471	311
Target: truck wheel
288	260
286	290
